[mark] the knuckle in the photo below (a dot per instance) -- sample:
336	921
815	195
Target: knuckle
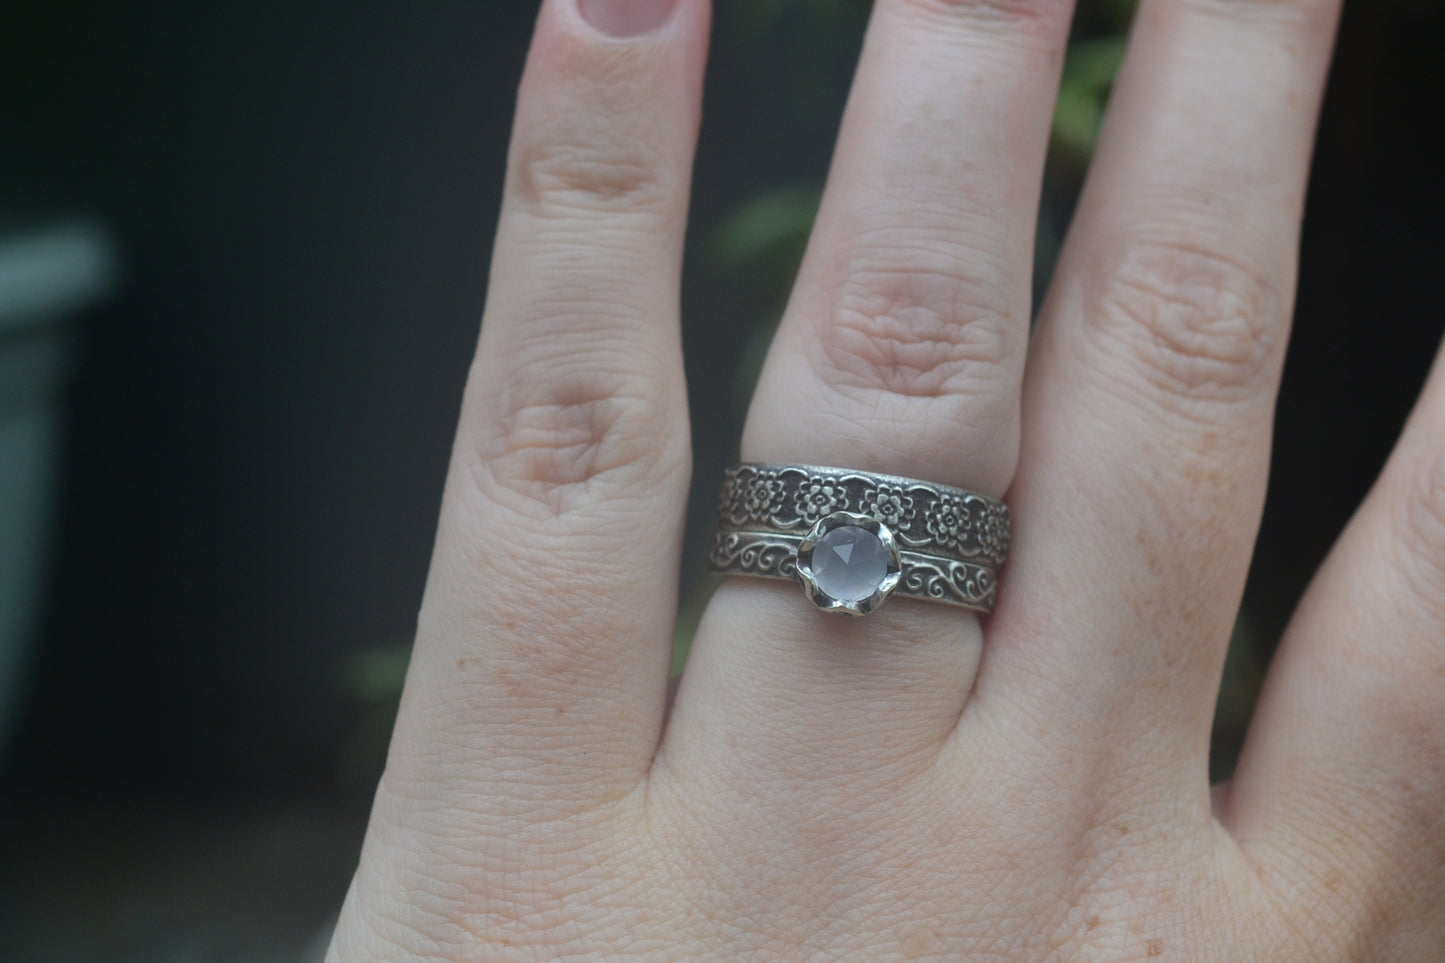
596	128
563	175
1306	13
1198	323
554	446
1012	11
913	334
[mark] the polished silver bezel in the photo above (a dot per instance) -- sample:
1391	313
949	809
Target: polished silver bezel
822	599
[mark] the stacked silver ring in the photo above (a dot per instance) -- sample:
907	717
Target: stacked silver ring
853	538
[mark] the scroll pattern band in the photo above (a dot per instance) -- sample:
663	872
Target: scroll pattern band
938	579
935	520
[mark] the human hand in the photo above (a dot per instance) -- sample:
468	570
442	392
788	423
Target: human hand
914	785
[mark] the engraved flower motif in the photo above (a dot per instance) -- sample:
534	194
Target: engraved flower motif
759	496
730	500
889	505
949	519
817	499
993	539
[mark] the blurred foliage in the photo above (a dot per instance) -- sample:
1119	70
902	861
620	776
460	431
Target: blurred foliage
373	678
764	237
763	241
1244	670
1088	77
372	675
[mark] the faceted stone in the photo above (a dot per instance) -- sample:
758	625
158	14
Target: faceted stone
849	563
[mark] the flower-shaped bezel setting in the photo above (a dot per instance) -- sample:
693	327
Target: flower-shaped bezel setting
822	599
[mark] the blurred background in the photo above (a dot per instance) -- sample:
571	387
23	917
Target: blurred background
242	262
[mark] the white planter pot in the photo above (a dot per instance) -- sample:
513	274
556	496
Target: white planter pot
47	276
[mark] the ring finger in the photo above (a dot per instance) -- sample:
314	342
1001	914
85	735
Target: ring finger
901	352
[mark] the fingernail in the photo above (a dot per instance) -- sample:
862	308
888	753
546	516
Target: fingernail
625	18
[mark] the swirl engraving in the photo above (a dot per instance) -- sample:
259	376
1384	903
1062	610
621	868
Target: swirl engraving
943	580
775	555
746	553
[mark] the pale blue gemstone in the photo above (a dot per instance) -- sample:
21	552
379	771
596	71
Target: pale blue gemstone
849	563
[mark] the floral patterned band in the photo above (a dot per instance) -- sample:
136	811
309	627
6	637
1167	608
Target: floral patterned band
923	517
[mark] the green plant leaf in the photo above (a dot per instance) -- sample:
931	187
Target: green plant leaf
762	227
1088	78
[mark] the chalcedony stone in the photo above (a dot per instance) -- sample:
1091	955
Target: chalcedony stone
849	563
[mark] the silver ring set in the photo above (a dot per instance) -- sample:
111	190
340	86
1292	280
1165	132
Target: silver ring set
854	539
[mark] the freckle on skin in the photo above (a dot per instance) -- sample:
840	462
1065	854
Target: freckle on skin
918	944
1155	948
1092	922
516	688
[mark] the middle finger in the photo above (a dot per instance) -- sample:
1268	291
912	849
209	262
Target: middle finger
901	352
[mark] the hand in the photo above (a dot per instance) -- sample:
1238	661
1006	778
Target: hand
915	785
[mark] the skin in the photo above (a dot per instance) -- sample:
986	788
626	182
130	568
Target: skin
915	785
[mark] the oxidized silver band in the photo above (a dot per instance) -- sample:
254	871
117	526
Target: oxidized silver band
926	541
